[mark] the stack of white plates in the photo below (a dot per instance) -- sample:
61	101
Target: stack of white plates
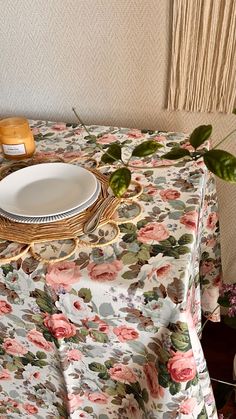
47	192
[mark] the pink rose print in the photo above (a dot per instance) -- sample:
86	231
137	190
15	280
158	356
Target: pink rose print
5	307
122	373
217	281
106	139
153	232
74	355
35	131
161	162
135	133
39	340
125	333
4	374
151	373
74	401
70	155
137	163
160	272
104	271
60	126
131	406
206	267
63	274
46	154
169	194
151	190
30	408
13	347
187	406
160	139
59	326
212	220
190	220
36	375
182	366
187	146
97	397
102	326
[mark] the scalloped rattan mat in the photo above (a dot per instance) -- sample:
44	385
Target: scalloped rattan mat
63	229
71	228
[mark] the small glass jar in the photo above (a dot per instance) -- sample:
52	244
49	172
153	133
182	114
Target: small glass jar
16	138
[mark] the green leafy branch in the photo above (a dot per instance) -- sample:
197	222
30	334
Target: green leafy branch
219	162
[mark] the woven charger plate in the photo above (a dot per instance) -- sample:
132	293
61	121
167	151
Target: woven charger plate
68	229
63	229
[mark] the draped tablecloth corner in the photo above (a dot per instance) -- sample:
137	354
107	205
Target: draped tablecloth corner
113	332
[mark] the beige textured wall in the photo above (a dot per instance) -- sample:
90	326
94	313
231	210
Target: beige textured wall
110	59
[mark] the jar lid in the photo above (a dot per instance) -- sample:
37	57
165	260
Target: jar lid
10	125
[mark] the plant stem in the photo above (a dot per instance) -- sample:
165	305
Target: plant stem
81	122
208	318
225	138
223	382
86	129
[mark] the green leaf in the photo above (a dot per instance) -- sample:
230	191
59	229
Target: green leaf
138	347
203	414
163	376
97	367
177	204
176	153
181	341
88	409
127	228
85	293
174	388
146	148
106	309
200	135
139	359
185	239
41	355
222	164
91	138
99	336
129	258
6	269
171	253
104	375
182	250
113	154
129	275
44	306
119	181
129	238
172	240
144	254
224	301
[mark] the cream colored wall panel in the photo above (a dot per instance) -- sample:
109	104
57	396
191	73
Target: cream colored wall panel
109	59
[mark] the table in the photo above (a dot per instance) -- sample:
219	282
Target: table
113	332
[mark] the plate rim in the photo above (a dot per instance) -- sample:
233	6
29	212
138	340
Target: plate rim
41	166
53	218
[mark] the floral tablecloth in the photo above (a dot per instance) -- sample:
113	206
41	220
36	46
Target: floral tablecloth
113	332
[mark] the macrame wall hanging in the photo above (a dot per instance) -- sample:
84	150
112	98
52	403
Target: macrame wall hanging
203	56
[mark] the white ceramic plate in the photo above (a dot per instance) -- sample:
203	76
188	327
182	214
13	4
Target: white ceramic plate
53	218
46	189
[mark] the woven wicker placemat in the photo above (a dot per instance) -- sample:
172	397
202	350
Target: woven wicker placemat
70	228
